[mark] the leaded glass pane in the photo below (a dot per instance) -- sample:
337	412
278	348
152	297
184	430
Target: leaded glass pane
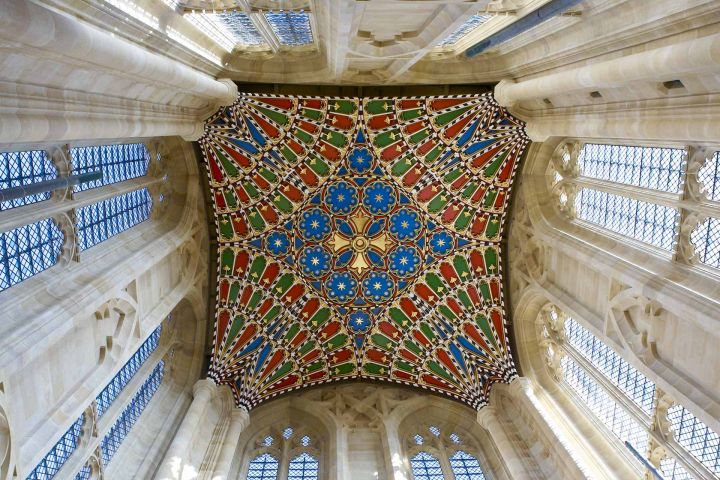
100	221
648	167
305	441
291	28
454	438
117	163
287	433
85	472
25	168
126	373
466	467
696	437
605	408
633	383
120	430
28	250
706	239
58	455
303	467
672	470
709	177
647	222
426	467
239	26
470	24
263	467
434	430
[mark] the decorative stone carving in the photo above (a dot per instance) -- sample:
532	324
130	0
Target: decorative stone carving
638	320
551	323
5	443
690	222
70	250
117	324
565	159
696	160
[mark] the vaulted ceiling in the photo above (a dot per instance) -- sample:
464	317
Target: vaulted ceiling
361	238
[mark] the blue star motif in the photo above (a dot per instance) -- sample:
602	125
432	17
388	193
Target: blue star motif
278	243
441	243
404	224
359	322
315	224
341	197
404	261
378	287
341	287
379	198
360	160
315	261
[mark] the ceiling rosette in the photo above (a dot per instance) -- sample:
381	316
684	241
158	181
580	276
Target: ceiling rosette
361	239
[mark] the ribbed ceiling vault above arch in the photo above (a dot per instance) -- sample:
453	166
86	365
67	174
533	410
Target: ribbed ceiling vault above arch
360	238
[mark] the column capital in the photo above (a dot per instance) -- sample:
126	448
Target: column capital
204	387
487	416
520	386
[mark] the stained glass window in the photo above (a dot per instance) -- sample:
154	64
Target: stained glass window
470	24
709	177
263	467
696	437
706	238
633	383
426	467
454	438
303	467
647	222
240	27
466	467
117	162
25	168
287	433
648	167
100	221
56	458
305	441
613	415
28	250
434	430
291	28
672	470
119	431
126	373
85	472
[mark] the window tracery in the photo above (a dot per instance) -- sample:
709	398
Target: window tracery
438	451
628	404
25	168
290	451
118	163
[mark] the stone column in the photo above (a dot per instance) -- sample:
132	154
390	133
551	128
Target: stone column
239	420
172	464
488	419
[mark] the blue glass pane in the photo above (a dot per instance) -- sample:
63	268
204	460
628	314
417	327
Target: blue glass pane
25	168
618	420
28	250
54	460
709	177
647	222
672	470
240	27
466	467
263	467
648	167
706	238
291	28
696	437
117	162
303	467
426	467
84	473
100	221
126	373
114	438
470	24
633	383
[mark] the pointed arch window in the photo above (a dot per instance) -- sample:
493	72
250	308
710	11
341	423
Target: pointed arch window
28	250
303	467
25	168
263	467
118	163
100	221
626	402
426	467
466	467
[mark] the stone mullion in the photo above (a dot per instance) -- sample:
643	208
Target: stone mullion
694	212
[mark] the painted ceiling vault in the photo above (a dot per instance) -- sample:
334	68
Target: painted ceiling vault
360	238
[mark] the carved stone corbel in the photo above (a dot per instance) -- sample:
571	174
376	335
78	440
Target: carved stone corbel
70	250
551	322
565	158
638	320
690	222
697	158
